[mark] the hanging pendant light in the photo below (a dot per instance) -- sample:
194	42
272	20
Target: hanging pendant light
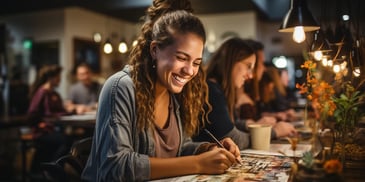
123	48
299	20
108	48
320	45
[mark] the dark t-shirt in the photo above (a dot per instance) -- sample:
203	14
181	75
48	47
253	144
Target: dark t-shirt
167	139
45	103
220	122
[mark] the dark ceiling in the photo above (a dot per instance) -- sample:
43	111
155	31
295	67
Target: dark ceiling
133	10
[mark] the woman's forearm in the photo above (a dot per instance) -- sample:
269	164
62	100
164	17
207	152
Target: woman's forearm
170	167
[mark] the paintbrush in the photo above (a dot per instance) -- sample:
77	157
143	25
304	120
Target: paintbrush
219	143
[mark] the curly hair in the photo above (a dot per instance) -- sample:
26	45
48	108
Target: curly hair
165	18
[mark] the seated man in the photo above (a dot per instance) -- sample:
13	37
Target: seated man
83	95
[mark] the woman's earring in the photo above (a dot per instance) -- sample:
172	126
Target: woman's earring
153	64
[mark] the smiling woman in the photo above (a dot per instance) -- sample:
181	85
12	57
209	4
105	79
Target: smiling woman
178	64
166	85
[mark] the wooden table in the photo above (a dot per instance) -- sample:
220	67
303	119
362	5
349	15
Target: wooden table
256	169
257	166
13	121
84	120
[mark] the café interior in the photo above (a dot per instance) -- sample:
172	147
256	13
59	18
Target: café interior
102	33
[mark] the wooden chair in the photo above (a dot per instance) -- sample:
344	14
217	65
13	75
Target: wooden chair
26	143
66	169
81	149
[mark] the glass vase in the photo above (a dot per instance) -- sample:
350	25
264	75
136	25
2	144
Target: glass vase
316	144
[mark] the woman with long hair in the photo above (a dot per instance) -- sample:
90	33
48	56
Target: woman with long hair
46	102
249	99
227	70
148	111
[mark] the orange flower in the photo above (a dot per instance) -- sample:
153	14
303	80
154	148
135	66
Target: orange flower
318	92
333	166
309	65
293	142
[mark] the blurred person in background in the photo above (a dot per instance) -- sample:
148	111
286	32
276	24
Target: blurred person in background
228	69
45	103
248	99
273	91
83	95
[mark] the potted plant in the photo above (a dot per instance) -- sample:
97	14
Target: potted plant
347	114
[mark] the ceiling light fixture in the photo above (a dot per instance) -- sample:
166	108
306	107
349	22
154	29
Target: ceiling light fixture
97	37
108	48
123	48
299	20
320	45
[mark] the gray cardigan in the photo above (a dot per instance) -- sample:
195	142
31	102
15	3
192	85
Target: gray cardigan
119	152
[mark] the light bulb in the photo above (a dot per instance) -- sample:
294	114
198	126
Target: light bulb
108	48
97	37
324	61
356	72
336	68
343	65
318	55
299	34
122	47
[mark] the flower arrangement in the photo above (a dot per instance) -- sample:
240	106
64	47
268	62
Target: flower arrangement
318	92
338	111
332	166
310	169
319	95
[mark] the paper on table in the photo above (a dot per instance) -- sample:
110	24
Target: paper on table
284	148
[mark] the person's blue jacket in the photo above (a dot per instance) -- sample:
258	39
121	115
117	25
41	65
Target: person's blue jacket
119	152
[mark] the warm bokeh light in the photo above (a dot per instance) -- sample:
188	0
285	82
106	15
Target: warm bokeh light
336	68
343	65
280	62
318	55
97	37
324	61
330	63
108	48
122	47
356	72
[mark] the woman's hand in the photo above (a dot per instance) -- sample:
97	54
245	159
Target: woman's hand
267	120
232	147
284	129
215	161
292	115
